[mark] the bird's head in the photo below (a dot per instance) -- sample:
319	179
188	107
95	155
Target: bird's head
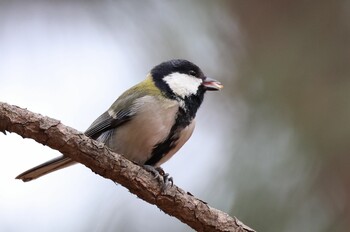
181	79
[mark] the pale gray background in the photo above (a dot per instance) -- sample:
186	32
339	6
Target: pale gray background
272	148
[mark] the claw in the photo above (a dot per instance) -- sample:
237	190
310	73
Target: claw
159	172
152	170
166	181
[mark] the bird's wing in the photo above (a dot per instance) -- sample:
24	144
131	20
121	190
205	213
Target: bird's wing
123	109
108	121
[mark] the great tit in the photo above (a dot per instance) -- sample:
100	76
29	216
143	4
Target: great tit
149	122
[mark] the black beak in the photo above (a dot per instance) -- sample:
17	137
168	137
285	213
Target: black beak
211	84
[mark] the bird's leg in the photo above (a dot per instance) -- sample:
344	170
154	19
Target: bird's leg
157	172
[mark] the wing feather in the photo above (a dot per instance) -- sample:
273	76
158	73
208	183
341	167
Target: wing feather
106	122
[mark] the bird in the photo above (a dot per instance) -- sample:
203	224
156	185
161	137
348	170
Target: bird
149	122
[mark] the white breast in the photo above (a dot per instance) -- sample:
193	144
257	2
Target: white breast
151	125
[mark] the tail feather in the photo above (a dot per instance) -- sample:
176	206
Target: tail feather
45	168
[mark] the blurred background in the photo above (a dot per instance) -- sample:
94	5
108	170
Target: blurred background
272	148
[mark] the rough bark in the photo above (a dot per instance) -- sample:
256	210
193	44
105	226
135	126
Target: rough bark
72	143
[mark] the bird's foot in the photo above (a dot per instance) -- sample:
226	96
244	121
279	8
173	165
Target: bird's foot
159	172
155	171
167	180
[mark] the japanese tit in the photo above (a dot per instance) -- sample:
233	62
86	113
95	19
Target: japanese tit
149	122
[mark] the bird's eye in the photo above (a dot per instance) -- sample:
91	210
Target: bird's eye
192	73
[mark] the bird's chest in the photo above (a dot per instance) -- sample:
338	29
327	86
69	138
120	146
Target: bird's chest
150	126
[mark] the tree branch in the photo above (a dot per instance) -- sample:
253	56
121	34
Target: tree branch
74	144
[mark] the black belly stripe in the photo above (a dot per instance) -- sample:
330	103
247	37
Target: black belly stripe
163	148
184	118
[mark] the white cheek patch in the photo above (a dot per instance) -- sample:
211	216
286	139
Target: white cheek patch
182	84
